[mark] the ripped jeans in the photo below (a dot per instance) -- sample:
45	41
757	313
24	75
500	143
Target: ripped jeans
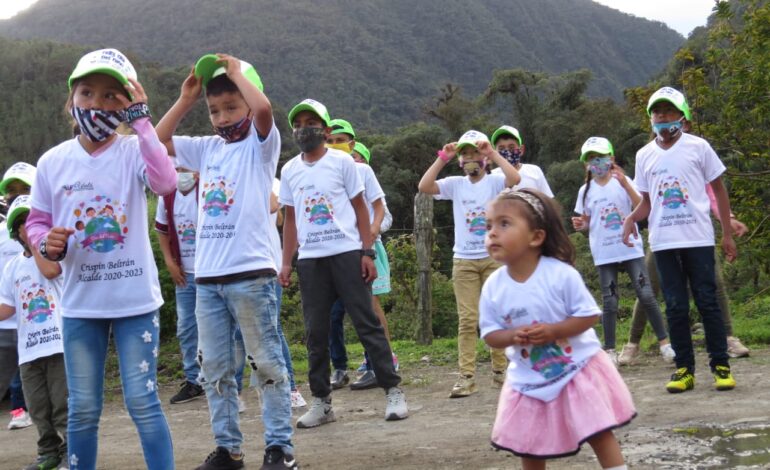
253	305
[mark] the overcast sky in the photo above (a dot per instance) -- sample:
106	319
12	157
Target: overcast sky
681	15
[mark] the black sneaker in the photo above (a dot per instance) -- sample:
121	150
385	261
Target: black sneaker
188	392
222	459
276	458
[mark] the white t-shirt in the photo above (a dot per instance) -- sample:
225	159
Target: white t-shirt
675	180
185	224
553	293
469	206
275	238
608	207
109	270
320	194
36	300
9	248
532	177
372	191
234	187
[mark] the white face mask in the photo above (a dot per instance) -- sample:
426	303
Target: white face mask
185	181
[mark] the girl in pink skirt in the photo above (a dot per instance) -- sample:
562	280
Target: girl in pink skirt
561	389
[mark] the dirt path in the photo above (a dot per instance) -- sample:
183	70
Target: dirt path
703	428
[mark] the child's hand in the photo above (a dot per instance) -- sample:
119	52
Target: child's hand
541	333
450	150
191	87
176	274
619	174
56	241
231	64
729	249
368	271
580	223
485	148
629	228
738	227
375	231
284	277
519	336
137	93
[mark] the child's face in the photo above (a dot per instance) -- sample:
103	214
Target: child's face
508	143
23	234
227	108
509	235
307	119
98	91
16	188
357	157
664	111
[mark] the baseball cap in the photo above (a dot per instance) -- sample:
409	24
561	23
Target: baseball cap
314	107
21	205
674	97
470	138
341	126
21	171
506	130
208	67
110	62
361	149
598	145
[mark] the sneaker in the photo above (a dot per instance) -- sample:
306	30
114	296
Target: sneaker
339	379
363	367
667	353
628	354
464	387
723	379
498	378
222	459
613	356
396	408
19	419
735	348
296	399
395	362
368	380
241	405
188	392
320	412
681	381
276	458
50	462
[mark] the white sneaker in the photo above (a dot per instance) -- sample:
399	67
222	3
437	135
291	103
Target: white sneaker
396	407
296	399
19	419
667	352
735	348
613	356
320	412
241	405
630	351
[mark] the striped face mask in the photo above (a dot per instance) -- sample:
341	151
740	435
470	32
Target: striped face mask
96	124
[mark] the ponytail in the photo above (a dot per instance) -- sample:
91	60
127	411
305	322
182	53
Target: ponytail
588	185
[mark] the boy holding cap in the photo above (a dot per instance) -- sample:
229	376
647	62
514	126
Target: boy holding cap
234	268
326	216
507	141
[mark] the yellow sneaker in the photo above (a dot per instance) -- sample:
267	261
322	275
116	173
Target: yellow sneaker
723	379
464	387
681	381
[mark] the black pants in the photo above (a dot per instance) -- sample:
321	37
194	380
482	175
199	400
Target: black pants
321	282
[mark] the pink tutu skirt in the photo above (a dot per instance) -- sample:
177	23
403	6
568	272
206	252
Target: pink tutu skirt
594	401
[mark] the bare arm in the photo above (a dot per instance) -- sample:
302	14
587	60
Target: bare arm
177	275
512	177
362	220
191	91
49	269
257	101
428	184
379	216
289	246
545	333
6	311
723	204
641	212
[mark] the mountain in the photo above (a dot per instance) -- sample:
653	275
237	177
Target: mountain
375	62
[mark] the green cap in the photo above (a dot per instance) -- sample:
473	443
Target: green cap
341	126
674	97
470	138
361	149
21	171
110	62
21	205
506	130
209	67
598	145
314	107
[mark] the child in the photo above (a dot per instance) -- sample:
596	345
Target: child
40	346
559	382
471	265
234	269
110	284
603	201
326	216
671	173
507	141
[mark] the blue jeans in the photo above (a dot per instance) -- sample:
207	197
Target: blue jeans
187	328
696	265
337	349
17	394
85	351
251	305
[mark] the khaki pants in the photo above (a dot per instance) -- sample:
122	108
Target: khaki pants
468	275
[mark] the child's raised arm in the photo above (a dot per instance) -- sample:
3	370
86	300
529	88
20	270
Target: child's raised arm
428	184
191	91
512	177
257	101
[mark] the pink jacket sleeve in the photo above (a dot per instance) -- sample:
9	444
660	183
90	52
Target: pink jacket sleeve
38	225
161	174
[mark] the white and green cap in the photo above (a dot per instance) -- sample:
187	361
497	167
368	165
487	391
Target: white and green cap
470	138
314	107
341	126
362	150
21	205
598	145
674	97
506	130
209	67
110	62
21	171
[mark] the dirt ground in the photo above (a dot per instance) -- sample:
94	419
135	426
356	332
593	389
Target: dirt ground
699	429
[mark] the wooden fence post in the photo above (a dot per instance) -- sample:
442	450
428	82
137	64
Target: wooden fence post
423	241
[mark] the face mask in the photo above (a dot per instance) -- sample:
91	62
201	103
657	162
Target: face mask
672	128
234	132
309	138
345	147
600	166
472	167
185	181
96	124
513	156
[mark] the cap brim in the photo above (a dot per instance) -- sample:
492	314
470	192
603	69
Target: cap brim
106	71
465	144
584	155
206	66
305	107
4	184
502	133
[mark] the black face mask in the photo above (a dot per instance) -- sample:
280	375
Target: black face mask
234	132
309	138
96	124
513	156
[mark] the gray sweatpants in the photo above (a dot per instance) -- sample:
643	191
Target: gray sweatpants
45	391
